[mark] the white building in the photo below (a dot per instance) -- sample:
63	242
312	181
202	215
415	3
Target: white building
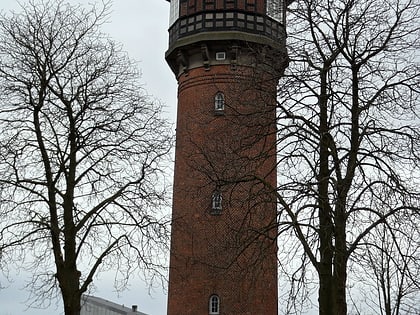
92	305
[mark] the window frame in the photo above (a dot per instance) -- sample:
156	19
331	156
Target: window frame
219	102
216	201
274	9
214	305
173	12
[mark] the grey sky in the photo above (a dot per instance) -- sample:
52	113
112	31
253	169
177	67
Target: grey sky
141	26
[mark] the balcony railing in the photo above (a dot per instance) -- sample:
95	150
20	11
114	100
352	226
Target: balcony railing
218	21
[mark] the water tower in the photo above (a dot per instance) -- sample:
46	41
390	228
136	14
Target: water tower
227	56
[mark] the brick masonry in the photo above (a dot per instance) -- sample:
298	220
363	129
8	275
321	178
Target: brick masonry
231	253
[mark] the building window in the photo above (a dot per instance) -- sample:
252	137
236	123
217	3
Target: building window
275	9
216	201
214	305
220	55
174	12
219	102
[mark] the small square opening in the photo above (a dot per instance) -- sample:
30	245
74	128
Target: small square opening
220	55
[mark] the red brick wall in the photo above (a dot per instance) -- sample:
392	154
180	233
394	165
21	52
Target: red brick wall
222	254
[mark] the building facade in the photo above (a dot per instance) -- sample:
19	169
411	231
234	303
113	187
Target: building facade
227	56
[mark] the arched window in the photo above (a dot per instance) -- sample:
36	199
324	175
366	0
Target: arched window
214	305
219	102
216	201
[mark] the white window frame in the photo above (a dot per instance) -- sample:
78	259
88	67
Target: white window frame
214	305
219	101
216	200
220	55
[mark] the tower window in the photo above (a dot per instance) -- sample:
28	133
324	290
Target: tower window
275	10
219	102
174	12
220	55
214	305
216	201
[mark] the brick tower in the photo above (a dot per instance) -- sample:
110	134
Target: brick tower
227	56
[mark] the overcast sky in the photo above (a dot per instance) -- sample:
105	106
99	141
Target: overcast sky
141	26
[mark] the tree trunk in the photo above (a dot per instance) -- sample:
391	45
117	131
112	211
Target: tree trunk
340	260
325	221
69	285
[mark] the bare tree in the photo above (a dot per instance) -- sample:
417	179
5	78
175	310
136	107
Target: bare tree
82	153
347	151
387	270
348	138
